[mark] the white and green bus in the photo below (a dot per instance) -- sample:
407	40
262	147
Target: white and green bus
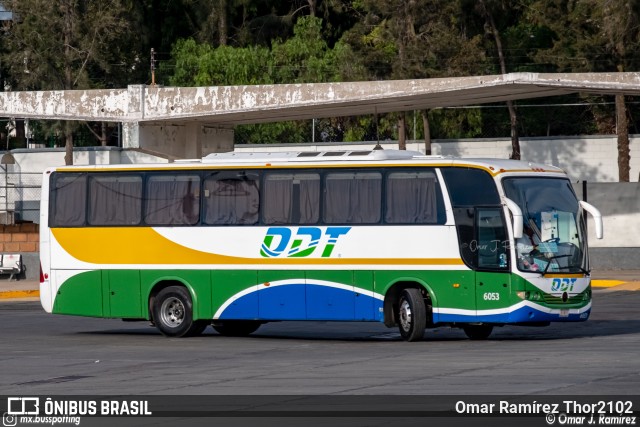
236	240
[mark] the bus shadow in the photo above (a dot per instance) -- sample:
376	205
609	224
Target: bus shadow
358	332
590	329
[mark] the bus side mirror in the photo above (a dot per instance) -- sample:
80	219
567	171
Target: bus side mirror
516	213
597	217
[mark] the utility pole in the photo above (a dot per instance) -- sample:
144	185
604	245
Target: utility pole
153	67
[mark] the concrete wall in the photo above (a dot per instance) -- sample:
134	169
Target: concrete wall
592	159
38	160
619	203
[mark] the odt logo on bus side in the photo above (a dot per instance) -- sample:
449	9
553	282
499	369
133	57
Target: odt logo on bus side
289	243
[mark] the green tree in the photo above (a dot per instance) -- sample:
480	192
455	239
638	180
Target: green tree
54	44
404	39
305	57
202	65
593	35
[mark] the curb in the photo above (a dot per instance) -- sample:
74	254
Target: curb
606	283
19	294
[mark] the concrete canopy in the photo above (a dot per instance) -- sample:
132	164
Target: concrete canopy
231	105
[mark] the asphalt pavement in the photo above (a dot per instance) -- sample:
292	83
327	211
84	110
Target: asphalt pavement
628	280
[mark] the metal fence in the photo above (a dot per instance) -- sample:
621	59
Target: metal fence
19	195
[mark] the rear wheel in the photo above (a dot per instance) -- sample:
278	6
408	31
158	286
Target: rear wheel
412	315
478	332
173	313
236	328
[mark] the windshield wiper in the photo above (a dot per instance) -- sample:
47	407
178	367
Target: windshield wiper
551	259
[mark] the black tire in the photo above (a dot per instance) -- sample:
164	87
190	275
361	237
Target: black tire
173	313
478	332
236	328
412	315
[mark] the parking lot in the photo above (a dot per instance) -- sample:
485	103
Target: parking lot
73	355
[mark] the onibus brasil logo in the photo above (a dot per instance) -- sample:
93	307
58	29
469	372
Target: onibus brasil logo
283	242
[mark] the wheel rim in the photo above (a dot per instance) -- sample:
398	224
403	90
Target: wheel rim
405	315
172	312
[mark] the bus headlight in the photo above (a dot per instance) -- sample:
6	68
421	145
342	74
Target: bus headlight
526	295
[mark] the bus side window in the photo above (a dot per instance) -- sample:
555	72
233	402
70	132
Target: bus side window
470	187
352	198
172	199
115	199
231	198
413	197
68	199
291	198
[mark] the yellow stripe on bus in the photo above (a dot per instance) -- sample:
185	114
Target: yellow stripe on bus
564	276
143	245
196	167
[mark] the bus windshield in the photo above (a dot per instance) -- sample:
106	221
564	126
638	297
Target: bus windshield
554	238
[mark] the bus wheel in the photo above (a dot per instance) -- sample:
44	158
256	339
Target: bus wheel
478	332
236	328
412	315
172	312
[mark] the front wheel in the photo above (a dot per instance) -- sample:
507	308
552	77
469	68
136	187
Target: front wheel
478	332
173	313
412	315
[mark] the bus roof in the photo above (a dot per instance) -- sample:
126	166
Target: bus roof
323	157
330	158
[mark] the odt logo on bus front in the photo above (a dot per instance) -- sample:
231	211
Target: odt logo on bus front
291	243
563	285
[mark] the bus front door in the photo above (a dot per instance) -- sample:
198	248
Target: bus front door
493	281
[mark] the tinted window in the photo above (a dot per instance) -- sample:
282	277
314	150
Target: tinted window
492	239
69	199
465	218
231	198
291	198
115	199
172	199
352	197
413	197
470	187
